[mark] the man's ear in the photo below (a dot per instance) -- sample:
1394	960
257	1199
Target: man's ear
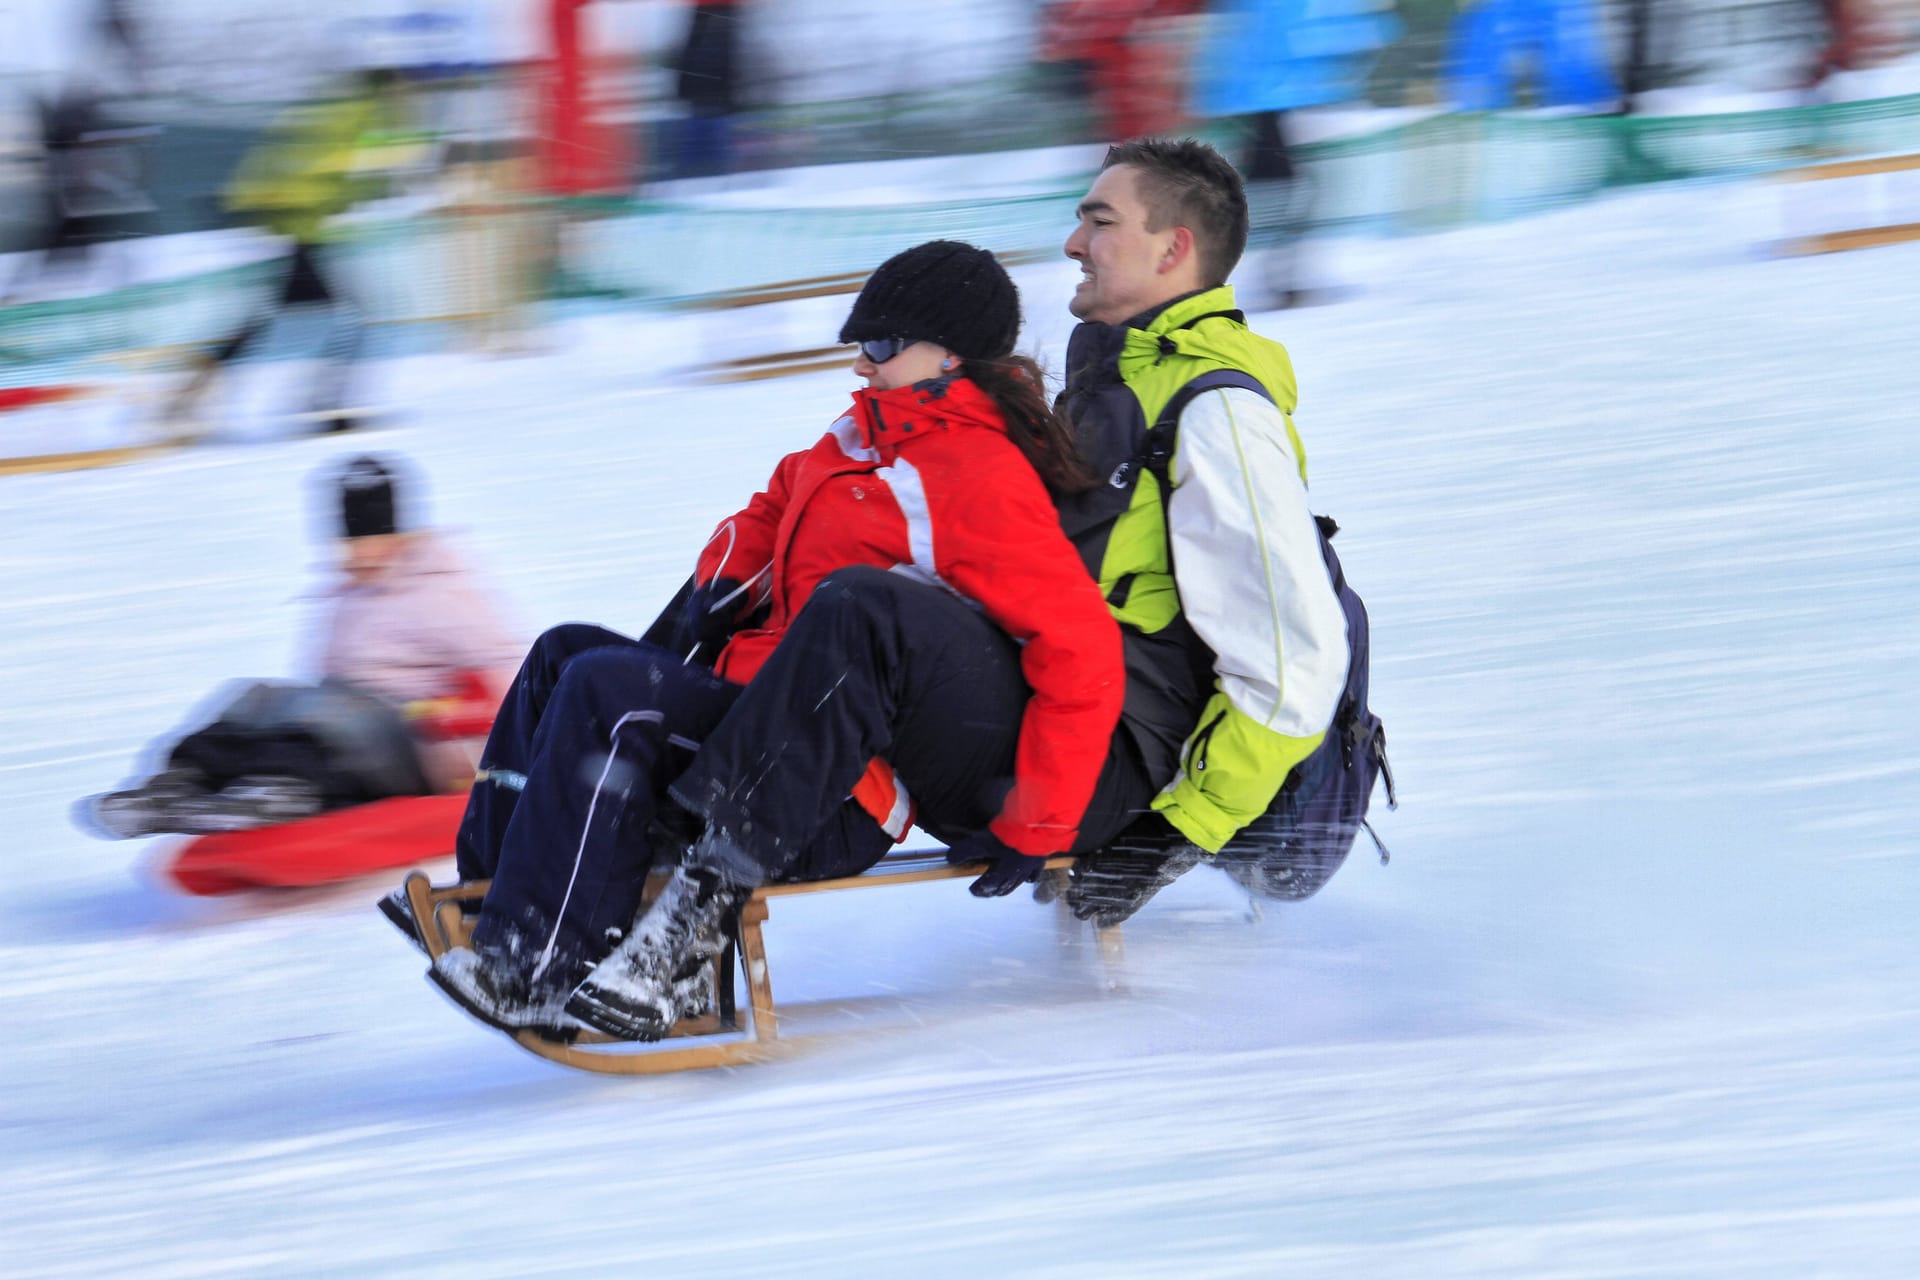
1179	249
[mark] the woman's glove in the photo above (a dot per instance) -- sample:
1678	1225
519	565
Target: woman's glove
713	611
1007	869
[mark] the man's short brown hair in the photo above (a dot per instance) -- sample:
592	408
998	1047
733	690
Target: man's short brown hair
1184	182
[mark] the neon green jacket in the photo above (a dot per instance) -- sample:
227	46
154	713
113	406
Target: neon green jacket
318	161
1236	643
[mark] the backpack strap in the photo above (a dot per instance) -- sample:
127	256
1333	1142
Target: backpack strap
1156	452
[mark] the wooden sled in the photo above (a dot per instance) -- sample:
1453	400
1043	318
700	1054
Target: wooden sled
731	1036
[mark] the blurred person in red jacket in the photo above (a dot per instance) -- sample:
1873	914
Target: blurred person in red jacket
409	668
1132	55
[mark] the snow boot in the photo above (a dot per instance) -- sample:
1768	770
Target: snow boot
399	913
145	810
258	800
495	987
1111	884
655	977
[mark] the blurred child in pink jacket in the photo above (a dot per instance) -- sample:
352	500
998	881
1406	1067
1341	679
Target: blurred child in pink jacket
409	668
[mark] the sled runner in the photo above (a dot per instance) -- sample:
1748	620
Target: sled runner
328	847
731	1036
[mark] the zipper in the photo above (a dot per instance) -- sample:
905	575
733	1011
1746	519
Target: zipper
1197	757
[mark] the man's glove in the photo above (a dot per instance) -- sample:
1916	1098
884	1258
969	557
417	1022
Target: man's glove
713	611
1007	869
1111	884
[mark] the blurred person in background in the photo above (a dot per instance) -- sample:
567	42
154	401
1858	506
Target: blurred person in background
96	167
1859	33
1261	61
1528	53
921	523
408	669
94	190
1128	56
317	162
707	82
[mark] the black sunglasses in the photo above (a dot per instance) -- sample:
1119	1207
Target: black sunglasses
881	350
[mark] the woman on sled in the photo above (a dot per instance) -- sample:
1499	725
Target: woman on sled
925	509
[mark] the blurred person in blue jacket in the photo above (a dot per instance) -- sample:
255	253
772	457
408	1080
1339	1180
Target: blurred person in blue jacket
1542	53
1262	59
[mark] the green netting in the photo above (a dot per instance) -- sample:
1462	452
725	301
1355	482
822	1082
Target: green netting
1445	170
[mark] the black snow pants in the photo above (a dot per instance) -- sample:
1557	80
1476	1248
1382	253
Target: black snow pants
879	665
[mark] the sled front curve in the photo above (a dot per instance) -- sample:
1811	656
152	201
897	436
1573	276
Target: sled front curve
440	911
717	1040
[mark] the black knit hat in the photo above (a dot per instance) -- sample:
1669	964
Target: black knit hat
943	292
368	506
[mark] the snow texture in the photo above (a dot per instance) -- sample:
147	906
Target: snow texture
1632	505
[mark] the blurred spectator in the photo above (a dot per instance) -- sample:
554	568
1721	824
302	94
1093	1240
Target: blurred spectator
1129	55
407	673
317	162
95	187
1859	33
707	82
1540	53
1260	61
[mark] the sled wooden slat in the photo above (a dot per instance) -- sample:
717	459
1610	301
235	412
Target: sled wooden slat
1870	235
1858	238
86	460
1849	168
717	1040
915	867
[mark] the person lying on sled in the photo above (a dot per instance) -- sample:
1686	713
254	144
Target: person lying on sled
928	499
411	661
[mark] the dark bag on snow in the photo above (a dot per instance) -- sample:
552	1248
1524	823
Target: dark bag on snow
351	745
1294	848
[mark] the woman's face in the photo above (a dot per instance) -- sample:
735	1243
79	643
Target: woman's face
916	363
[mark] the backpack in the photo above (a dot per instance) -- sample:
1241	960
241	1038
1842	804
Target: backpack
1294	848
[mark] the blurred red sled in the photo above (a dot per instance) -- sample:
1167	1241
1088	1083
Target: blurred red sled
399	832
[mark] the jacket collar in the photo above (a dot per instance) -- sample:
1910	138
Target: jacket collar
888	419
1096	352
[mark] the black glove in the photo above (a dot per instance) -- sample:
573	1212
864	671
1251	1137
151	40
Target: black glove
1111	884
1007	869
713	611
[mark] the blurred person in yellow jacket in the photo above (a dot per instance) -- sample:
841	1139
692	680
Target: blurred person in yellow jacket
317	162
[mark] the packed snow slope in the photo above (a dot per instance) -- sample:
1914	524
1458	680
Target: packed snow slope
1632	504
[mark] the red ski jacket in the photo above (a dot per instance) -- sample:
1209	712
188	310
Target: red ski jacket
923	481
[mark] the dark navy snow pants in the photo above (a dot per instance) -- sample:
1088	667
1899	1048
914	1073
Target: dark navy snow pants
586	740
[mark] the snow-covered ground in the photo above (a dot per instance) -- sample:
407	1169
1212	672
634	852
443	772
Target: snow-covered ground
1633	508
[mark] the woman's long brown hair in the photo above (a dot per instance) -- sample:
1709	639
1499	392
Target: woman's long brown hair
1017	388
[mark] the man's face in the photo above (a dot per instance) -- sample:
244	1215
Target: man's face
1123	263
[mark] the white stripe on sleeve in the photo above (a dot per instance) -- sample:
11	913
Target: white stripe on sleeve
1247	560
